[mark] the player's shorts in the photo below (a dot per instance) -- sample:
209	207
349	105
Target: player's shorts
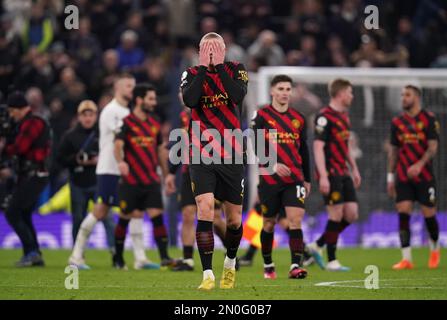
341	190
225	181
137	197
107	189
275	198
186	195
422	192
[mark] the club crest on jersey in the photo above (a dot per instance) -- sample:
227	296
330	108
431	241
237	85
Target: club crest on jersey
154	130
243	75
296	123
322	121
420	125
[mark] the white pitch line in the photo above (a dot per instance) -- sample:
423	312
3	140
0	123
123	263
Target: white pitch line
341	284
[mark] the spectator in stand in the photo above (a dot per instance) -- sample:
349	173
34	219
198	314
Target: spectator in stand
131	57
35	100
85	48
266	47
105	76
38	30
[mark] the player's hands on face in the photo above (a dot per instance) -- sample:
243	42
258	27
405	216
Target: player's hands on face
357	178
282	170
124	168
307	186
414	170
391	190
324	185
218	51
170	184
204	54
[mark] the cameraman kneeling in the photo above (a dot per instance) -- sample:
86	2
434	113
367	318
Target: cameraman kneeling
29	150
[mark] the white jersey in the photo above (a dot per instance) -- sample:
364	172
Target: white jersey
110	122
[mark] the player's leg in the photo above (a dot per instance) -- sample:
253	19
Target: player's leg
188	238
292	200
160	234
107	195
232	240
267	237
120	237
205	237
427	198
404	209
270	200
230	189
189	210
203	183
219	224
405	196
350	207
296	244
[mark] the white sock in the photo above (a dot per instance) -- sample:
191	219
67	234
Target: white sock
270	265
189	262
433	245
293	266
229	263
406	253
208	273
85	230
136	234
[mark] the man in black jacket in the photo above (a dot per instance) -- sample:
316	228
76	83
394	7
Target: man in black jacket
29	152
78	152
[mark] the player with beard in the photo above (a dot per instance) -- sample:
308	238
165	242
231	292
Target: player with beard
139	150
414	143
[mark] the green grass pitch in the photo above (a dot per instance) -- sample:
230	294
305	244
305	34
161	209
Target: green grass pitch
103	282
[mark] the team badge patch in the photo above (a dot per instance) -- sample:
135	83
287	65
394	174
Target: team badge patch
296	123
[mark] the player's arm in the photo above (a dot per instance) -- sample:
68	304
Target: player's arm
392	161
305	157
235	86
322	132
163	160
118	151
432	149
192	86
354	168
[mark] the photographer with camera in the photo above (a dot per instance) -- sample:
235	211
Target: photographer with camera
28	151
78	151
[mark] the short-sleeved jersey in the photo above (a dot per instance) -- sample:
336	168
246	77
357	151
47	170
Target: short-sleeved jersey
216	110
290	129
333	127
410	135
141	141
110	122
